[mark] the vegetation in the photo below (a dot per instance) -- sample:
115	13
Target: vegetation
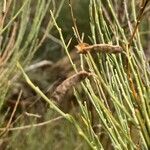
97	98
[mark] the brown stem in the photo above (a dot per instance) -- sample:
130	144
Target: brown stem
139	18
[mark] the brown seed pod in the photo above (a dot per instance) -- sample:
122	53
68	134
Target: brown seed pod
62	89
83	48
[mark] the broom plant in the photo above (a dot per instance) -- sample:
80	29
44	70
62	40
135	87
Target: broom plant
21	36
114	111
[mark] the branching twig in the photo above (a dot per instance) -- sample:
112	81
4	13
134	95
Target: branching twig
12	115
33	125
139	18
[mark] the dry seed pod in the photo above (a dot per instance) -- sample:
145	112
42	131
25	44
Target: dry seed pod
66	85
83	48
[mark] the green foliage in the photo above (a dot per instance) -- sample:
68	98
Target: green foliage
21	35
114	112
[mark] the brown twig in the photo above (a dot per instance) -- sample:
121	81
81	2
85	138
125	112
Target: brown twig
74	23
9	49
139	18
6	8
12	115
